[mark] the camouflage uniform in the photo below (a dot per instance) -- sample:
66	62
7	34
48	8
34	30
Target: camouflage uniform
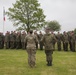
53	41
31	41
18	40
7	40
14	34
1	41
73	39
47	40
59	41
35	33
12	40
23	35
65	41
69	38
40	43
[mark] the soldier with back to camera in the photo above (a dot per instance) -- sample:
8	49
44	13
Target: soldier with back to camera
31	41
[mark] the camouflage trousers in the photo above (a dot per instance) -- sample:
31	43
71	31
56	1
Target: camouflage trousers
7	45
48	55
31	57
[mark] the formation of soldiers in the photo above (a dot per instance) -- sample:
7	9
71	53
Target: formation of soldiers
67	39
15	40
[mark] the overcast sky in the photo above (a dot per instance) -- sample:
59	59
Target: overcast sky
64	11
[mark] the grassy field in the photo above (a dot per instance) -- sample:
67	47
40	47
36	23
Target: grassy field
14	62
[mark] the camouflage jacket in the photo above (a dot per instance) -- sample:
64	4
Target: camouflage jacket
48	41
31	41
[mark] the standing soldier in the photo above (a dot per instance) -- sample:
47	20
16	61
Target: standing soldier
53	41
23	35
18	40
12	40
14	34
40	42
1	40
35	33
47	40
59	41
73	39
65	41
69	38
7	40
31	41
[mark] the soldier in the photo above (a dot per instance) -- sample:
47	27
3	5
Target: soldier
31	41
1	40
14	34
47	40
40	43
58	37
23	35
69	38
18	40
12	40
35	33
73	39
7	40
65	41
54	41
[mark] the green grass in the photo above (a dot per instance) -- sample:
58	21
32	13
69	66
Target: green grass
14	62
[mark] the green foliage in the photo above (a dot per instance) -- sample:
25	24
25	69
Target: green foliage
14	62
26	14
54	25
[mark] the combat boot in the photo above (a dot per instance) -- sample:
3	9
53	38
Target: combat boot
50	63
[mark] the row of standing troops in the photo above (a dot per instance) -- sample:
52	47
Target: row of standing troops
12	40
67	39
16	40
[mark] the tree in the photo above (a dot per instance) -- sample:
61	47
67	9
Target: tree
53	25
26	14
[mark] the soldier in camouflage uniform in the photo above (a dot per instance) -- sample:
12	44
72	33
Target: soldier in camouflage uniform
7	40
1	40
54	41
14	34
40	43
12	40
58	37
31	41
47	40
23	35
69	39
35	33
65	41
18	40
73	39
